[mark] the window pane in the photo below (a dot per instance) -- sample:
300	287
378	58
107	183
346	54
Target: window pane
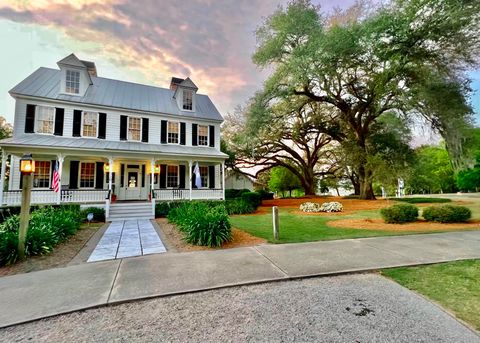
87	175
89	124
187	100
134	128
173	129
41	176
72	82
45	119
204	176
202	135
172	176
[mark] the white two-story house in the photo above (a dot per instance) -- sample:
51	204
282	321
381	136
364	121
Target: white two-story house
112	140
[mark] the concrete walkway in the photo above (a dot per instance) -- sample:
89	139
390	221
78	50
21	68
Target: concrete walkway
46	293
127	238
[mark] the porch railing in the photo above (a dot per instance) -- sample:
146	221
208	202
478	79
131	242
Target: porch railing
184	194
13	198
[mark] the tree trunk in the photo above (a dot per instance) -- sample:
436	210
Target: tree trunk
366	187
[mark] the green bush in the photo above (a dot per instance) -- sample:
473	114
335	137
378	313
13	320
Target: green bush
447	214
239	206
164	207
98	214
252	197
265	194
401	213
422	200
47	227
204	222
235	193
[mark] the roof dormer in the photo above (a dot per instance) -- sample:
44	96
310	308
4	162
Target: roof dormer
185	91
76	75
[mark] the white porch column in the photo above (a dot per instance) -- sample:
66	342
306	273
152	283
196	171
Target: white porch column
60	159
152	174
223	179
110	175
2	174
190	163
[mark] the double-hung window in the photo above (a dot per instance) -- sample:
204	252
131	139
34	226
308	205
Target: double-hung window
172	176
203	135
187	99
173	132
134	128
89	124
72	84
41	176
204	175
45	119
87	175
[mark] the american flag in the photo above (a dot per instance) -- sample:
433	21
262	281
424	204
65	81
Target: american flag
56	179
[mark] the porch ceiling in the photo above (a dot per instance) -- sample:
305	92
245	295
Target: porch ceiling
44	144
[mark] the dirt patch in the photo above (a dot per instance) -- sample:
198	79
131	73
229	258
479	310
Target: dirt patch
175	238
61	255
420	225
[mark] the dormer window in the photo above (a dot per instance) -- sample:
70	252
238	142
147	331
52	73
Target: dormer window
72	84
187	100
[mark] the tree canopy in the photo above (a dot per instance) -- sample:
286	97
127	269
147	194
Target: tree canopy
406	59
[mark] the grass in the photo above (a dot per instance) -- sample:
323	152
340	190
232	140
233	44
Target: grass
453	285
296	228
422	200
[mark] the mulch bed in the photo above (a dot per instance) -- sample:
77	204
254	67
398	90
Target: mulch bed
61	255
175	238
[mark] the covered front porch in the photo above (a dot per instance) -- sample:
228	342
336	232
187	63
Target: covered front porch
92	178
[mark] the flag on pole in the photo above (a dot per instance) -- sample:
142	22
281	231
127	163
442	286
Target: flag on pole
198	178
56	178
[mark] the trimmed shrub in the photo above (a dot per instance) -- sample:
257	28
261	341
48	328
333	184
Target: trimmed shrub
252	197
400	213
422	200
447	214
239	206
164	207
47	227
265	194
98	214
204	222
235	193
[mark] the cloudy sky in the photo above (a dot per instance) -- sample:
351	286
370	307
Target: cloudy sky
145	41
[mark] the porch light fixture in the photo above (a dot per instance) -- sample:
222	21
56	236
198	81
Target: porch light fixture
106	167
156	170
27	164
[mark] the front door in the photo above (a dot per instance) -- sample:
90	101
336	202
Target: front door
132	186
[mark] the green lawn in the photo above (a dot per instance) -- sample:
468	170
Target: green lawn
454	285
305	228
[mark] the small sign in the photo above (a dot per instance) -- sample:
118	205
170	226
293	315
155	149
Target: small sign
90	217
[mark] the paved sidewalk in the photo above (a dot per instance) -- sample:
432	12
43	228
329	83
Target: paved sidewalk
45	293
127	238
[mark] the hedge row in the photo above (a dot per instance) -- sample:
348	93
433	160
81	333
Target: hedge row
405	213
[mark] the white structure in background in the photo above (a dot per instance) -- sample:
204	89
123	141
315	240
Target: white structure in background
112	140
384	193
401	188
236	180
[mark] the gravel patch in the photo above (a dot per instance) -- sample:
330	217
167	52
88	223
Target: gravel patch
349	308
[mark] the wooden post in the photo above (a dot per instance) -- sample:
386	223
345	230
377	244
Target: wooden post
24	214
276	223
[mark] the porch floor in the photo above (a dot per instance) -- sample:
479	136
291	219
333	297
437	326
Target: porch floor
127	238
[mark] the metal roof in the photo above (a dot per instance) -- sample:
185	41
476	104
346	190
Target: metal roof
45	83
57	142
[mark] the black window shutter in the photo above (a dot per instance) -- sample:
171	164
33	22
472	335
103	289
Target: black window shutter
59	115
122	174
99	176
182	176
144	129
194	134
102	125
74	174
123	128
183	129
163	132
163	176
77	123
143	175
30	119
211	176
52	168
212	136
192	178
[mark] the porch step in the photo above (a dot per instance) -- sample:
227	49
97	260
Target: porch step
130	210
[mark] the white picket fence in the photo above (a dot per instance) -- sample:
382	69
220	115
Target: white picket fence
184	194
